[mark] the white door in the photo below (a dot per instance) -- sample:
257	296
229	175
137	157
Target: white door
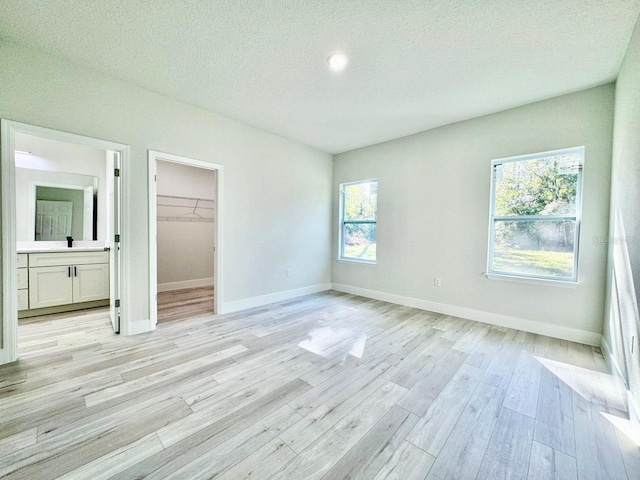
113	164
90	282
50	286
53	220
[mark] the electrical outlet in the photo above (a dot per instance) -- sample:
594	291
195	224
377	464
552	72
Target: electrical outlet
288	272
437	282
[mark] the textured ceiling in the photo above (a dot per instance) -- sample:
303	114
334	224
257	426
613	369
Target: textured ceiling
414	64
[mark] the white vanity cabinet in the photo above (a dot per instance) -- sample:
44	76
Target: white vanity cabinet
67	278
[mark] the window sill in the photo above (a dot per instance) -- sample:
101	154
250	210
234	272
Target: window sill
533	281
356	262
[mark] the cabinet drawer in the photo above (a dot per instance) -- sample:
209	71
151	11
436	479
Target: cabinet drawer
23	260
67	258
23	299
23	278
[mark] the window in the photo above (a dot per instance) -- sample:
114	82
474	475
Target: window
536	204
358	221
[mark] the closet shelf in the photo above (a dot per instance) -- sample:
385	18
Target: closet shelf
173	208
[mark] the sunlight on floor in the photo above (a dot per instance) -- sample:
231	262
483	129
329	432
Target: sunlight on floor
335	342
629	428
598	387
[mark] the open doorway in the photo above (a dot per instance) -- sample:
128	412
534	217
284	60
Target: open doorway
184	233
61	210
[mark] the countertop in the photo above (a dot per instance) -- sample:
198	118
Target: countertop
63	250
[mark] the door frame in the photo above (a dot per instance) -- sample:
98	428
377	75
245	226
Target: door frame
9	291
154	157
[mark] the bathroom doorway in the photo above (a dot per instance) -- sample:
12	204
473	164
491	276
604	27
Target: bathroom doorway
61	222
184	233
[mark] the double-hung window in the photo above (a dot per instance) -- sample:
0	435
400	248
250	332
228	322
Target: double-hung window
358	221
536	203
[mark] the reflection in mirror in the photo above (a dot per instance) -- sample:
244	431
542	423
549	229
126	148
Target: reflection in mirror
54	205
64	212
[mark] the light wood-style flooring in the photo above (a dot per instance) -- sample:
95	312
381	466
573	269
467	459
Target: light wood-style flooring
328	386
180	304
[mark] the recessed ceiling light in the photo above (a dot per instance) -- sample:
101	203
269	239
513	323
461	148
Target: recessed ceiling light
337	62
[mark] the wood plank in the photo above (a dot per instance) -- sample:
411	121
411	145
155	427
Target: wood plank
522	392
597	451
509	449
549	464
408	462
434	428
234	451
554	415
192	447
317	459
263	463
464	450
365	459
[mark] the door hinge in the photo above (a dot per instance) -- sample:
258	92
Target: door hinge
116	172
117	303
155	178
117	239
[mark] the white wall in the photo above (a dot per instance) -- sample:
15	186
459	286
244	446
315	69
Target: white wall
622	320
277	192
60	157
185	249
185	181
433	207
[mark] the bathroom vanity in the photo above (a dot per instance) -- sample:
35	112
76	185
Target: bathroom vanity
53	281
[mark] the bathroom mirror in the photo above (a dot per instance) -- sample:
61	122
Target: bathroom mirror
52	206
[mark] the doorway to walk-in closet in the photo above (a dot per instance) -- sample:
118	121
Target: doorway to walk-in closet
186	225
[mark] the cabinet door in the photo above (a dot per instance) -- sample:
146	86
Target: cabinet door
90	282
50	286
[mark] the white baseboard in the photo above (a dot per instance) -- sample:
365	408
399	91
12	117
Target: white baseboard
541	328
199	282
253	302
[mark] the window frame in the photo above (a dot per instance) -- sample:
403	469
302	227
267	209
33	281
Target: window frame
547	279
342	223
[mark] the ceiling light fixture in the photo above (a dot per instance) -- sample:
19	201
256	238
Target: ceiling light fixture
337	62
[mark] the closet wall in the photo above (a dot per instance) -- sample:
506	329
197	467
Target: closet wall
186	228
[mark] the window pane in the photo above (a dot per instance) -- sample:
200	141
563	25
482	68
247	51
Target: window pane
543	248
544	186
360	201
360	241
